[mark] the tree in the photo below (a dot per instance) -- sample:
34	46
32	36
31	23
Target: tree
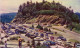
24	4
28	43
46	6
46	29
39	27
49	30
27	3
20	8
32	26
43	1
53	2
38	6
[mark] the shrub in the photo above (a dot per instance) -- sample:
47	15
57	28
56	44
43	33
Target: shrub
45	29
47	12
75	26
1	42
49	30
39	27
23	40
73	40
43	46
68	45
57	34
14	38
32	26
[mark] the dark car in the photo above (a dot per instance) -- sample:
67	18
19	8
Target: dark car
62	38
27	34
11	33
36	34
50	42
13	27
17	31
3	27
42	35
31	28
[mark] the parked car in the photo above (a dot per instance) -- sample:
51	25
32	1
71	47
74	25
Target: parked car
62	38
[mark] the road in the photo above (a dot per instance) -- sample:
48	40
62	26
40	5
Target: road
67	33
26	39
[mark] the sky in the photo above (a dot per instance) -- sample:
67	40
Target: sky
7	6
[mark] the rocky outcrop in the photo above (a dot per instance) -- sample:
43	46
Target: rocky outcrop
50	19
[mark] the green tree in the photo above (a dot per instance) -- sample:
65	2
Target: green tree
49	30
20	8
24	4
32	26
46	6
39	27
46	29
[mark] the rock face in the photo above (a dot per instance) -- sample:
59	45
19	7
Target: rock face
50	19
42	19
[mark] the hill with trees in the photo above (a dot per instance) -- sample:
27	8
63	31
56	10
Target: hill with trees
77	13
7	17
45	12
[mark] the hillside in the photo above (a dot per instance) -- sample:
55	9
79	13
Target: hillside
7	17
78	14
47	12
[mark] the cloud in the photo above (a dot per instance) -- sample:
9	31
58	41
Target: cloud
12	5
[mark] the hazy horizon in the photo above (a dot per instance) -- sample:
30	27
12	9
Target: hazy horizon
7	6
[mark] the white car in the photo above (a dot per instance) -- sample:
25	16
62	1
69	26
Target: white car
77	45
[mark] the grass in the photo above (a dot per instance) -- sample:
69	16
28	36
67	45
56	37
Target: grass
58	30
73	40
14	38
77	31
32	20
42	46
54	24
57	34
